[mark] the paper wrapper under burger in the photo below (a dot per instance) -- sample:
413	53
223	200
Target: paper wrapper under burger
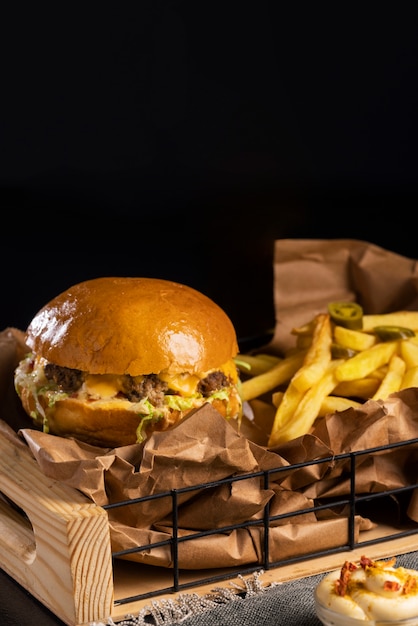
205	448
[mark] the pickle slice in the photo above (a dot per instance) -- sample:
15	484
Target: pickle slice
390	333
342	352
347	314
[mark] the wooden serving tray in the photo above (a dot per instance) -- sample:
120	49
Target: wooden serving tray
56	544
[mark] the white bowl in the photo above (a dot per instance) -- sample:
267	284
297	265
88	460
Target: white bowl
332	618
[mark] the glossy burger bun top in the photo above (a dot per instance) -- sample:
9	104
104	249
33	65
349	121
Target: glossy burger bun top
134	326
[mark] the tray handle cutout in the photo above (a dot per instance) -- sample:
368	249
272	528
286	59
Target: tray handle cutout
55	542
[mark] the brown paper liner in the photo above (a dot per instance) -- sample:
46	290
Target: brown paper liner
310	273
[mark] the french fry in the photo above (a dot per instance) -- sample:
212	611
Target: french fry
360	388
304	334
380	373
365	362
393	379
409	353
273	359
320	374
332	404
410	378
298	411
306	329
285	414
303	342
274	377
353	339
276	398
318	355
255	364
315	364
405	319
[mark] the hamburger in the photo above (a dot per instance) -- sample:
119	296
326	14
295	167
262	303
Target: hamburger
112	359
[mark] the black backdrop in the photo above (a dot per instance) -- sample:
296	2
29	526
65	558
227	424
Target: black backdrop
179	139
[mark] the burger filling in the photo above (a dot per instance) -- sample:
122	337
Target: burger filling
159	400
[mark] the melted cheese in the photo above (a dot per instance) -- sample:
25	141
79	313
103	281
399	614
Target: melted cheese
230	369
102	385
186	384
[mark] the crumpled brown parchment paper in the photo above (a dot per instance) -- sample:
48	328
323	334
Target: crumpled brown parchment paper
309	273
197	457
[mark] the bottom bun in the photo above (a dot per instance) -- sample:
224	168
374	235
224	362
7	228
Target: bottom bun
102	423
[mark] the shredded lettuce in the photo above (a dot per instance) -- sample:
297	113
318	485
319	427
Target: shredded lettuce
150	415
180	403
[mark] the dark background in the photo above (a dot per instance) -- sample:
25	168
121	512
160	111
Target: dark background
180	139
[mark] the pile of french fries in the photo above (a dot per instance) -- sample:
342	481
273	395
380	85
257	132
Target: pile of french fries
331	368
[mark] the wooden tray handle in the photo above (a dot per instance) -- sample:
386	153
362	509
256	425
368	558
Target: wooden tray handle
54	541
